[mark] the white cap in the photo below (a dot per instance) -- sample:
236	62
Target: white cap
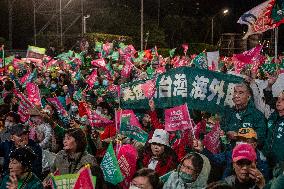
160	136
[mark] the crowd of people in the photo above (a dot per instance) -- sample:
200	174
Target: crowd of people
37	139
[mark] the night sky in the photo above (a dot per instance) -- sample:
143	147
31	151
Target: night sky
23	15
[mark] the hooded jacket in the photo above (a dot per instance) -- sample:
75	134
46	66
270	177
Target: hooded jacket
176	182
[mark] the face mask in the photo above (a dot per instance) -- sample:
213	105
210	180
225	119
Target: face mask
8	124
240	142
74	108
186	177
53	85
105	82
134	187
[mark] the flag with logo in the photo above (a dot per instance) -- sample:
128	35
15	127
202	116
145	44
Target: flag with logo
126	70
33	94
110	167
149	88
35	52
213	59
257	19
212	139
132	131
59	107
200	61
133	119
24	106
85	179
127	158
96	119
91	79
248	57
177	118
277	12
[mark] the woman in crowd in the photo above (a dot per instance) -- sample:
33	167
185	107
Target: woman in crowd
158	155
246	175
145	178
192	173
20	172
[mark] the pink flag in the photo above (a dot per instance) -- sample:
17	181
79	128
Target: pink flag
97	120
92	79
57	105
107	47
126	158
101	63
181	62
149	88
185	48
126	70
177	118
24	78
130	50
24	106
247	57
84	179
161	69
34	94
212	140
175	61
133	119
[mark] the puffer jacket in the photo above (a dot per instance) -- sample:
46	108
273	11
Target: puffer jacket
68	164
176	182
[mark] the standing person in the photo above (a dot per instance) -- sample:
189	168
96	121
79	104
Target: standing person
246	175
192	173
20	138
159	156
243	115
20	174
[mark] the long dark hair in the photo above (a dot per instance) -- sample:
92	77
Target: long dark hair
80	138
168	152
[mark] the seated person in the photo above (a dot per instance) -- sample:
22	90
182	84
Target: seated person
193	172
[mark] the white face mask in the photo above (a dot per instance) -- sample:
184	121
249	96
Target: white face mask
240	142
8	124
134	187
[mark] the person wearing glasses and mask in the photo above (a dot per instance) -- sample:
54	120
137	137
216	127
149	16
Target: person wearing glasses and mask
145	178
20	138
246	175
192	173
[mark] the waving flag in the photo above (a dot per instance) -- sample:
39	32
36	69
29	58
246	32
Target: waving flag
85	179
257	19
34	94
126	70
213	59
248	57
185	48
149	88
177	118
92	78
277	12
35	52
110	167
101	63
200	61
96	119
24	106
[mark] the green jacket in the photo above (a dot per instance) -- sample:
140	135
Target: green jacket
233	120
32	183
273	148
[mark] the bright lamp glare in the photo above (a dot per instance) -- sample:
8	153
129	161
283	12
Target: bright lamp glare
225	11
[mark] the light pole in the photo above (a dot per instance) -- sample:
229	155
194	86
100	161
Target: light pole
142	23
34	3
84	23
224	12
60	20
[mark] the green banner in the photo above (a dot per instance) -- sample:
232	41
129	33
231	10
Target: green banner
132	131
201	89
66	181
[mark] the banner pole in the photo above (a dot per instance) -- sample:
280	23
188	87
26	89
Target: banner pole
276	43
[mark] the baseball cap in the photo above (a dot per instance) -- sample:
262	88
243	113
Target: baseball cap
243	151
247	133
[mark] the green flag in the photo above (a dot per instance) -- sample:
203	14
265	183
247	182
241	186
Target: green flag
172	52
78	95
115	55
122	46
200	61
132	131
110	167
9	60
99	46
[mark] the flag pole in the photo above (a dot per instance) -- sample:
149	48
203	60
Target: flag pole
276	43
